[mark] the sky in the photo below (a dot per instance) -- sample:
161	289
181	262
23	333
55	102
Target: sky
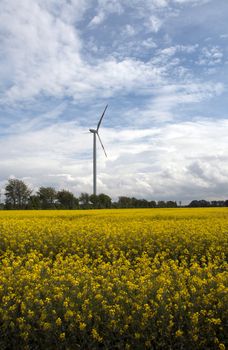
160	65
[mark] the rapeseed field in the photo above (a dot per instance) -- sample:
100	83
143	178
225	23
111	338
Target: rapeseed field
114	279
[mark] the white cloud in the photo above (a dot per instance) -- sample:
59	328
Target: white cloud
44	53
192	2
168	99
179	161
70	12
172	50
224	36
93	51
105	8
41	51
149	43
154	24
52	62
96	20
210	56
129	30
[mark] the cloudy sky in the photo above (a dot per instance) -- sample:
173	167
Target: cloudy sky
160	65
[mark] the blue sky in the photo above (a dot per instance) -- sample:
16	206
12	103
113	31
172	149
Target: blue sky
161	65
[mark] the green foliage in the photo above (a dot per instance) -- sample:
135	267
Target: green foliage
17	194
102	201
84	201
66	200
47	196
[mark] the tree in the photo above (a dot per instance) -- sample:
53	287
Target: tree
104	201
152	204
101	201
199	203
84	200
47	196
1	203
17	194
125	202
171	204
94	200
67	200
161	204
34	202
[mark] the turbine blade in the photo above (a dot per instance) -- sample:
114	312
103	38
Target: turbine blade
99	123
102	145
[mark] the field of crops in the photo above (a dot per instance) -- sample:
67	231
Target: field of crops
114	279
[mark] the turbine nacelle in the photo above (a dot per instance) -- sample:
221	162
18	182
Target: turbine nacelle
93	131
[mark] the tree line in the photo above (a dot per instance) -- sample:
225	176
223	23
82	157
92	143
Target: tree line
204	204
18	195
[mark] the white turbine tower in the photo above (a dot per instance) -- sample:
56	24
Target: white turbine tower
95	134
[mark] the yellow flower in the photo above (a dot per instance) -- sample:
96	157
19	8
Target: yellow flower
58	322
69	314
46	326
222	346
179	333
96	335
119	270
82	326
62	336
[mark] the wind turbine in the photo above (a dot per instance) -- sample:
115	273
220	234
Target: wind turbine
95	134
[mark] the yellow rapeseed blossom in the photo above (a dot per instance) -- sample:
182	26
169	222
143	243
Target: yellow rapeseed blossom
123	279
222	347
58	322
82	326
179	333
62	336
96	335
